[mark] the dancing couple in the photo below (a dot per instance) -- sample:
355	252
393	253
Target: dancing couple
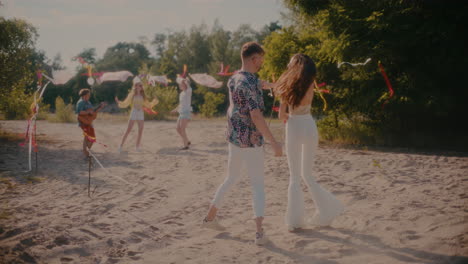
247	129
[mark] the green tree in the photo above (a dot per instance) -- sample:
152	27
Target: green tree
212	100
89	55
124	56
17	40
159	42
419	45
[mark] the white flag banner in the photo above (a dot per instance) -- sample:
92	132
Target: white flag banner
120	76
162	79
206	80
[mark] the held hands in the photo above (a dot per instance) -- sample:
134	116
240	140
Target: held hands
277	148
116	99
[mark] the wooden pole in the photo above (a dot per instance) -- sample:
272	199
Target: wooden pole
89	175
36	162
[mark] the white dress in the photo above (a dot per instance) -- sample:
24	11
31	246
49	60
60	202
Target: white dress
137	108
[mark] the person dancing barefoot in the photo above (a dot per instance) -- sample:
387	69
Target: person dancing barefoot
296	90
184	108
137	99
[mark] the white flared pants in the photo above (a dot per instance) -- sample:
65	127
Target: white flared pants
301	146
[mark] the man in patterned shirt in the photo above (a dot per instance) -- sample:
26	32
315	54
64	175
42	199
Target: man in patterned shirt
246	129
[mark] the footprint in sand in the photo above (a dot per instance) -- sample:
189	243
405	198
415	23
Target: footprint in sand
66	260
12	233
114	253
162	193
135	240
86	231
302	243
409	235
61	240
133	255
154	228
140	234
170	222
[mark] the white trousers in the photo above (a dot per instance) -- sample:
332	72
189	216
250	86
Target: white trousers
301	145
253	159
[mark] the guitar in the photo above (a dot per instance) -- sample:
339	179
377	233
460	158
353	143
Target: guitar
87	119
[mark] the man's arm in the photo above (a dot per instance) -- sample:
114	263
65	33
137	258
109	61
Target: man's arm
261	125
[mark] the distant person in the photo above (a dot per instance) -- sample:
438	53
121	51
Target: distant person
137	99
86	115
184	109
295	88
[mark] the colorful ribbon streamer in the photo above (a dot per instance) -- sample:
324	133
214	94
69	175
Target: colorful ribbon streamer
321	84
39	78
30	134
321	92
387	81
93	139
225	71
184	73
149	111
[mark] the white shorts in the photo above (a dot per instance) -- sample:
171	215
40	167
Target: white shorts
137	115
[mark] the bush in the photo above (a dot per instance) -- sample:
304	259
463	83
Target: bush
19	105
349	130
44	110
63	113
168	99
212	100
16	105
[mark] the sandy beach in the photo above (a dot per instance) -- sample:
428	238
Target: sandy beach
147	207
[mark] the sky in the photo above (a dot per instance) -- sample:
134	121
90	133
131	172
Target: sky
67	27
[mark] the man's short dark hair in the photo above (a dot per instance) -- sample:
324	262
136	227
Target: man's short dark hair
251	48
84	92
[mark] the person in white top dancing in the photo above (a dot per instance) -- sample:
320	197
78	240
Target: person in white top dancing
295	89
184	109
137	99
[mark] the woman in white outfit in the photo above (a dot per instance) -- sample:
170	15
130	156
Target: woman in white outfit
137	99
184	109
296	90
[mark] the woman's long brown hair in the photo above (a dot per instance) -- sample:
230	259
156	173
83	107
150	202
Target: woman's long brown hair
293	84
